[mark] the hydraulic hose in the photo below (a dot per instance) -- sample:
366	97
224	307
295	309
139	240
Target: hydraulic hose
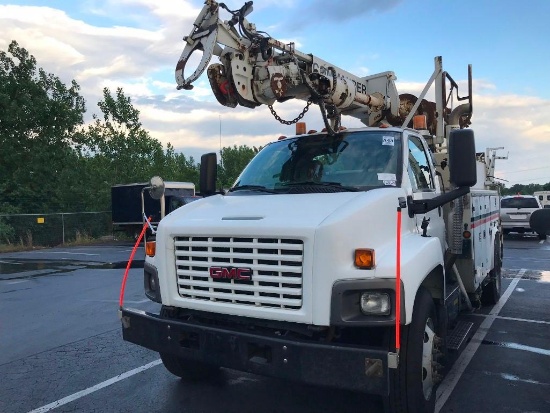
123	286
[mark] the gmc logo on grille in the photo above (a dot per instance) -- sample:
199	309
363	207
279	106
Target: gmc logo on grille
232	273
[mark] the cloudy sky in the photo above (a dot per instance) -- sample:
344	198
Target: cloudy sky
135	44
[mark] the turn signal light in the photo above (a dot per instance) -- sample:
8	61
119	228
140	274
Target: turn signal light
150	248
364	258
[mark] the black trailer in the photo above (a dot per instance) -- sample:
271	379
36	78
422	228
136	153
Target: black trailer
126	208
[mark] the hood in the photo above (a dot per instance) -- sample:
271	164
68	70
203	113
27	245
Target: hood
296	210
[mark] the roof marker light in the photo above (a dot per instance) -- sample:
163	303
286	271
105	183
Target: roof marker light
420	122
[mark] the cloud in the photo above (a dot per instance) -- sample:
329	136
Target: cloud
140	53
316	11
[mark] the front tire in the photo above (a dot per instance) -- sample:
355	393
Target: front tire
492	290
414	382
542	237
189	370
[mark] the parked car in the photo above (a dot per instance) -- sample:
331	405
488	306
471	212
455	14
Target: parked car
515	212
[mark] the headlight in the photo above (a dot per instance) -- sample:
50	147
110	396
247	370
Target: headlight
375	303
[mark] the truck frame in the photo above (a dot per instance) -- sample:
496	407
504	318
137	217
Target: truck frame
340	258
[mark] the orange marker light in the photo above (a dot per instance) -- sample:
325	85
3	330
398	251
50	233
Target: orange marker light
300	128
364	258
420	122
150	248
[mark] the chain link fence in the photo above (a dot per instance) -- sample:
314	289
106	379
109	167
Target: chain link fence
48	230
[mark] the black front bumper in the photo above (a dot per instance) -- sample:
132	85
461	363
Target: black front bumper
342	366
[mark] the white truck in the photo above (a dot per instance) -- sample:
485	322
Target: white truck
543	197
339	258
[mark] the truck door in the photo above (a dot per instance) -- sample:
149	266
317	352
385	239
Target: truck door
422	177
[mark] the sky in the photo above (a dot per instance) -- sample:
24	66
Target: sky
135	44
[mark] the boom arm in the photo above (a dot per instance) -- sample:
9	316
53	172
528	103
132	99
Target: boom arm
256	69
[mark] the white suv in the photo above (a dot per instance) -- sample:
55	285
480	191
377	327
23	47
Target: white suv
515	212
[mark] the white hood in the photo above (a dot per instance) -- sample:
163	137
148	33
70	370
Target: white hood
220	212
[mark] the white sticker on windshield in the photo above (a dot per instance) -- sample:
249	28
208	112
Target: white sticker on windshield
387	140
389	183
386	177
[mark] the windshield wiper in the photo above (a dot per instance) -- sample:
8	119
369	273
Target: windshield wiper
259	188
336	185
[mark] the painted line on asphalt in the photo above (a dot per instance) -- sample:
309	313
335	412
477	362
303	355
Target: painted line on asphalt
16	282
451	379
523	320
65	252
95	388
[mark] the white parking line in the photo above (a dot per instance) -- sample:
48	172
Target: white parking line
523	320
65	252
10	262
17	282
451	379
95	388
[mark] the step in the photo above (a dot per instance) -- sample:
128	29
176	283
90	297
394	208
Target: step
460	335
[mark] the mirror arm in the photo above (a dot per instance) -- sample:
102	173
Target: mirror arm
426	205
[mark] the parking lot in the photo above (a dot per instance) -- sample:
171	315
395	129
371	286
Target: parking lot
62	349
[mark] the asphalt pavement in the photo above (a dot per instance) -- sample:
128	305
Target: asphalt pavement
61	345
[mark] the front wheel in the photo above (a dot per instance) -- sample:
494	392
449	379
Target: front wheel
492	290
413	384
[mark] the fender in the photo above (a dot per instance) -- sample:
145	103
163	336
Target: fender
419	256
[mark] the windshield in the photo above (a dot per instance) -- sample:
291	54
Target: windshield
351	161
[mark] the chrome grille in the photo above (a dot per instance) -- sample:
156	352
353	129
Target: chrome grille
276	265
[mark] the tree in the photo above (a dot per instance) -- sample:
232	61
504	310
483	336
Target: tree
528	189
233	161
39	115
117	150
174	166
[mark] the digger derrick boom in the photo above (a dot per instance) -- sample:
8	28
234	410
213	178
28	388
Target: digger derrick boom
256	69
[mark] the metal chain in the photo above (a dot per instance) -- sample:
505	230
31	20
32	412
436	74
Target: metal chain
290	122
334	114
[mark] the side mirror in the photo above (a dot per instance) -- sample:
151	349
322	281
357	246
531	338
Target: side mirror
462	158
208	174
540	221
156	187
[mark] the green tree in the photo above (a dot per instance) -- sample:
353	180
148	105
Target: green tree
39	115
172	166
522	189
118	149
233	161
